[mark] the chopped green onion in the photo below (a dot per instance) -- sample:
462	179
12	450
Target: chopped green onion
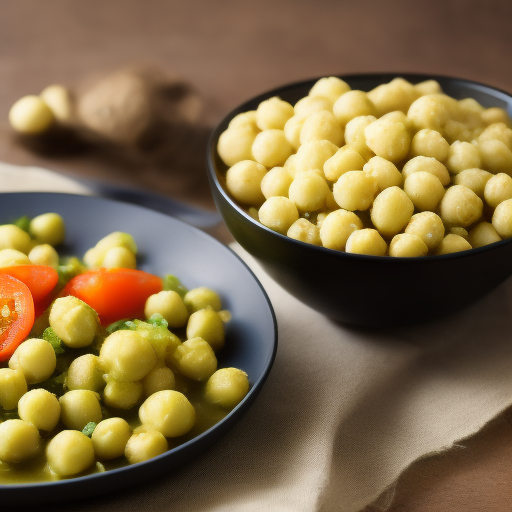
50	336
89	429
171	282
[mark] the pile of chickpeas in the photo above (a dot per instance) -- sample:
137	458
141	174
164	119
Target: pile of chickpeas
108	374
402	170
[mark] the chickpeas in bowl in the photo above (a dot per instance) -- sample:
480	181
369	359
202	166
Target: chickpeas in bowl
400	170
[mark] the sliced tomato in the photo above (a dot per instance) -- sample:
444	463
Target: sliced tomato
16	314
114	293
40	279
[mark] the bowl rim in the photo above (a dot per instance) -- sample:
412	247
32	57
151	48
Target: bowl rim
233	416
213	171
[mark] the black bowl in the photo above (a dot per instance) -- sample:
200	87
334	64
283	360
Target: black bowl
366	290
165	245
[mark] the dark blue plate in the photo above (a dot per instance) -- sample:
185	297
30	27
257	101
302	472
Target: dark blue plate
166	246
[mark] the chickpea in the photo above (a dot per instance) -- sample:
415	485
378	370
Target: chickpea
57	97
127	356
13	237
384	172
168	412
424	190
497	131
428	87
227	387
73	321
79	407
366	241
19	441
48	228
35	358
322	126
496	115
428	226
276	182
110	437
208	325
455	230
158	379
311	104
474	179
119	257
84	372
496	156
235	144
170	305
355	190
313	155
353	104
200	298
12	387
397	116
144	446
344	160
388	139
195	359
93	258
329	87
391	211
70	452
305	231
278	214
271	149
483	234
453	243
308	191
244	119
430	143
430	112
498	189
10	257
243	182
122	395
337	227
502	219
44	254
395	95
41	408
355	138
31	115
407	245
292	130
273	114
426	164
460	206
461	156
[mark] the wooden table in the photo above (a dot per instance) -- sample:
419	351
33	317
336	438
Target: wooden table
232	50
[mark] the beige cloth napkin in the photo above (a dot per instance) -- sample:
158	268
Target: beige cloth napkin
344	410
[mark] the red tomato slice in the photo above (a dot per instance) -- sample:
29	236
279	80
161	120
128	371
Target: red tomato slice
40	279
114	293
16	314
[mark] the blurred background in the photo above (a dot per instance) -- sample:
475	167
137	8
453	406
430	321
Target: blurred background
212	55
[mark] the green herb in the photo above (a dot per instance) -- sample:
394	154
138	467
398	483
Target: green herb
55	385
23	223
122	325
171	282
158	320
89	429
50	336
69	268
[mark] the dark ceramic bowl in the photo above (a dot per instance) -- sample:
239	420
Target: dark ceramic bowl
165	245
366	290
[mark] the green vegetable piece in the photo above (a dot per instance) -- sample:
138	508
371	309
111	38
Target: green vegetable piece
122	325
50	336
158	320
23	223
171	282
89	429
69	268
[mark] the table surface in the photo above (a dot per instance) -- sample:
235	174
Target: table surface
230	51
